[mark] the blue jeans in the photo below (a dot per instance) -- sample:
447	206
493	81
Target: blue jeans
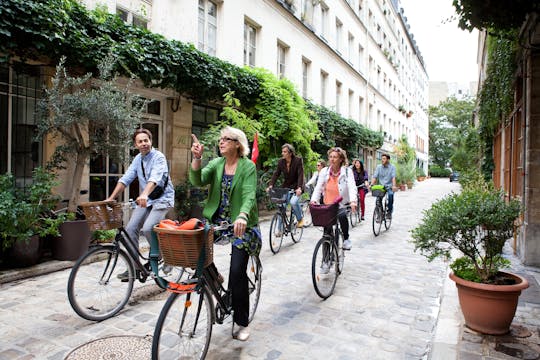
295	205
390	194
144	219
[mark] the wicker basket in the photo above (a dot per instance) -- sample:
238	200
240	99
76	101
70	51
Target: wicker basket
279	195
324	215
183	247
103	215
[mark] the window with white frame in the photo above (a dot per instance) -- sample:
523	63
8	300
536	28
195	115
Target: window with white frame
307	11
350	48
360	57
250	44
132	18
207	27
324	84
324	20
338	97
305	77
351	103
281	59
339	30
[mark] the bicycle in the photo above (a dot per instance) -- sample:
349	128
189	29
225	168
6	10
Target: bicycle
379	213
354	216
282	223
96	289
328	255
184	326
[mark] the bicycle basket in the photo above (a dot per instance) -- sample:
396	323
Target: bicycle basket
378	190
103	215
324	215
279	195
183	247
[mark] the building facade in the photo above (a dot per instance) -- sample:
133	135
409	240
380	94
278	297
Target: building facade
355	57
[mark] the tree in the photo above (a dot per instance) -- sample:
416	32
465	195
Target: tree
451	134
89	117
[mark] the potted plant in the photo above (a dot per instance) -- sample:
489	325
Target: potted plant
420	174
476	222
25	216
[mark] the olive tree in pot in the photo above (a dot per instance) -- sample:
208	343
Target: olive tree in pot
477	222
85	117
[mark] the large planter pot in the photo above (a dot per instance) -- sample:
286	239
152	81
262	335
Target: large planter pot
489	309
73	242
24	253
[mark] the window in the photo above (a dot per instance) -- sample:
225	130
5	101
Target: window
360	57
338	97
350	49
324	20
324	80
250	34
351	103
20	91
281	57
305	77
131	18
307	11
207	27
339	29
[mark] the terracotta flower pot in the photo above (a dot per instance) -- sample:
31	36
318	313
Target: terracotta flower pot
487	308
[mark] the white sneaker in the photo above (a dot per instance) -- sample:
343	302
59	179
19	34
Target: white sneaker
347	245
242	333
325	268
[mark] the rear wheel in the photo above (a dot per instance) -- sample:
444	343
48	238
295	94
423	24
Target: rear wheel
324	267
377	220
184	327
254	272
276	233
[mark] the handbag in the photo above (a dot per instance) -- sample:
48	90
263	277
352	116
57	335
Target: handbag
158	190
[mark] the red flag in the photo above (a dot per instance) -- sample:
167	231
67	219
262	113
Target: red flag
255	151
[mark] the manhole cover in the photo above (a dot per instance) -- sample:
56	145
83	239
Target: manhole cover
114	347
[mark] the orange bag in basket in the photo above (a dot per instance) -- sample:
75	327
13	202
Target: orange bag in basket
191	224
169	224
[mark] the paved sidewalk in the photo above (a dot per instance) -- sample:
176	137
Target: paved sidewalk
390	303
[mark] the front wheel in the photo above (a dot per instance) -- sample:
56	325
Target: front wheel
276	233
377	220
324	267
296	232
254	273
387	222
184	327
97	287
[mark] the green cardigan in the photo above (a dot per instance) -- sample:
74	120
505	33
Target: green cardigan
243	188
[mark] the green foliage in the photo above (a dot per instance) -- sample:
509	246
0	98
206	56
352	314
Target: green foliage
87	120
475	222
27	212
437	171
465	268
420	172
494	15
406	161
474	180
103	235
280	110
451	134
56	28
335	130
497	93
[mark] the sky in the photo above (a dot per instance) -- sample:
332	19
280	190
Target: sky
449	53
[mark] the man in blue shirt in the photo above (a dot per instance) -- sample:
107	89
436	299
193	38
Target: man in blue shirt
385	174
150	168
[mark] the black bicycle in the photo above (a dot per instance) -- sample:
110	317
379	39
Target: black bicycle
379	213
328	256
101	281
184	326
284	221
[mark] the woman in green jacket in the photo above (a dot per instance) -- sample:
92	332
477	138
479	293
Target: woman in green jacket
231	197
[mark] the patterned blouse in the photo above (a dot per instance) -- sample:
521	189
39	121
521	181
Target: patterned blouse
251	242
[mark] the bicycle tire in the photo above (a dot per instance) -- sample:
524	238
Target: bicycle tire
296	232
325	252
94	290
184	326
377	220
308	221
277	231
254	272
387	221
338	236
